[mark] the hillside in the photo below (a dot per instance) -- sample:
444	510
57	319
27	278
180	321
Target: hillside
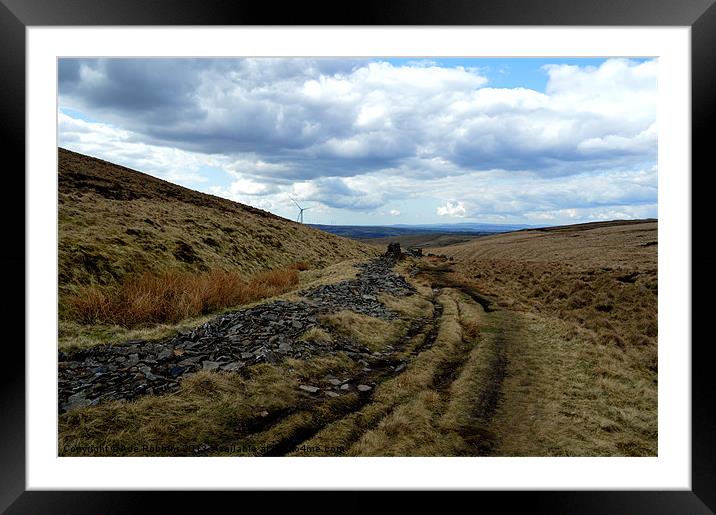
115	222
627	243
539	342
426	240
582	353
523	346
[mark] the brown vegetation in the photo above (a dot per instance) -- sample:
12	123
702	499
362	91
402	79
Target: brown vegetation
603	280
135	250
301	266
582	373
115	222
172	296
563	362
438	406
372	332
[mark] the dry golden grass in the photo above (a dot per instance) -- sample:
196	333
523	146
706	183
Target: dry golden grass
208	409
372	332
315	369
415	401
630	245
565	396
214	409
169	297
73	335
603	279
412	429
129	244
582	372
317	335
331	274
425	411
115	223
301	266
409	306
477	386
564	366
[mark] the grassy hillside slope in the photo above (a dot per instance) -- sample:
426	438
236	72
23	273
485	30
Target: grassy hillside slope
582	369
137	253
626	244
528	347
114	222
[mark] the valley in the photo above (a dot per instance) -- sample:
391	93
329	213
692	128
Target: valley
535	342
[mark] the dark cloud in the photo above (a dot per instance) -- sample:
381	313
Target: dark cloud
276	122
334	192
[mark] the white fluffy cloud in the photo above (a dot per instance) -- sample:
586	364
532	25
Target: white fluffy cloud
124	147
357	135
290	111
456	209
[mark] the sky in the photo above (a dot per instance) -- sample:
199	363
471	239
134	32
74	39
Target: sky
380	141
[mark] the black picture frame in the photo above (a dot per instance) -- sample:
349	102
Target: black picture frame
16	15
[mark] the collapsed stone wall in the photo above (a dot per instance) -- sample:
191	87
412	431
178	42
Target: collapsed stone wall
268	332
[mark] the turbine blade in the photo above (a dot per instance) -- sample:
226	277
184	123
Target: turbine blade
292	199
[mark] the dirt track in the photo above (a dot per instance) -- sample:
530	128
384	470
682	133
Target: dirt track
319	414
429	388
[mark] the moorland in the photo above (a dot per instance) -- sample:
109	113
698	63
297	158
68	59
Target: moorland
193	325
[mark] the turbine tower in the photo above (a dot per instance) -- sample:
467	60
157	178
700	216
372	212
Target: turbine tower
299	218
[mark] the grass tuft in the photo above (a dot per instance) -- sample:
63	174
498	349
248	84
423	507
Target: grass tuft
172	296
372	332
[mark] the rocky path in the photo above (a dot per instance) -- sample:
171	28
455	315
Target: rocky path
230	342
379	370
433	360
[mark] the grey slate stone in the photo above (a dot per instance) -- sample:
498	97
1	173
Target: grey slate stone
267	332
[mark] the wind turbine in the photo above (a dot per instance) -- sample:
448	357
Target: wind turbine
299	219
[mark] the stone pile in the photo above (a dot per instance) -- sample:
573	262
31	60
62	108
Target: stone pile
361	294
266	333
393	252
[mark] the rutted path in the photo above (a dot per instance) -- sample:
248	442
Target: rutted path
380	372
311	419
352	404
265	333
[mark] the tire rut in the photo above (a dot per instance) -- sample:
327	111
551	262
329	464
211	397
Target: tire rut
479	434
483	439
429	327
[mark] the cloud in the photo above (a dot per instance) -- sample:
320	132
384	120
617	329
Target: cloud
123	147
359	134
395	212
321	118
456	209
337	192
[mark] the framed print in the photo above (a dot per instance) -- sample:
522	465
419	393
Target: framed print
422	256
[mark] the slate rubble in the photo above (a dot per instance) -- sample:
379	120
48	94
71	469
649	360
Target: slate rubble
230	342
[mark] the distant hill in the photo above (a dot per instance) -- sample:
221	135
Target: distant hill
365	232
596	225
611	244
466	227
426	240
114	221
